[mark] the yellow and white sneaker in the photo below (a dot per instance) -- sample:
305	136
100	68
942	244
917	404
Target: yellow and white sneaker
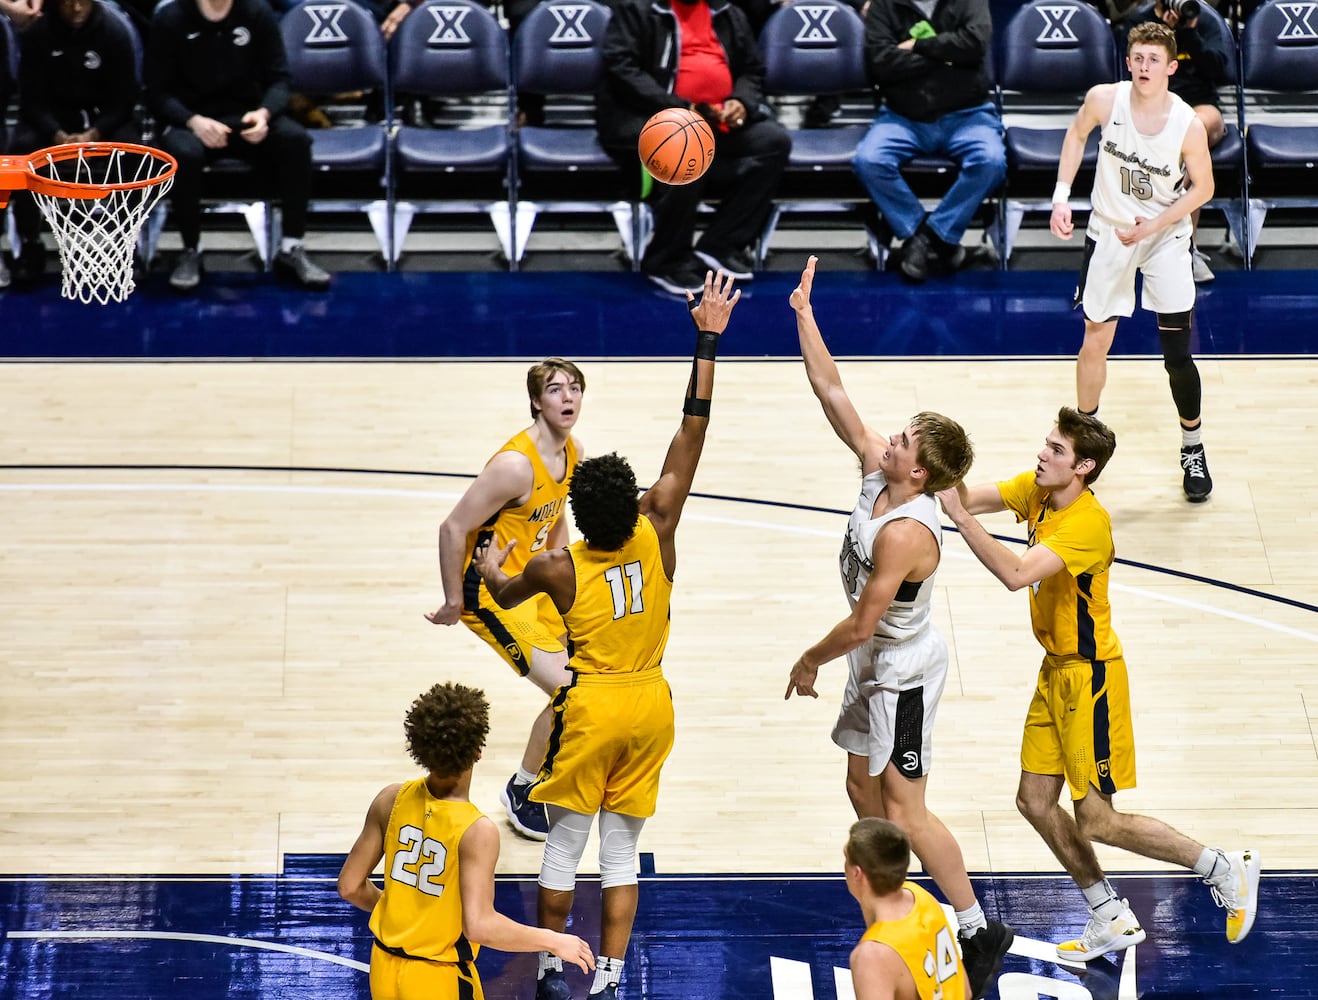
1103	936
1237	892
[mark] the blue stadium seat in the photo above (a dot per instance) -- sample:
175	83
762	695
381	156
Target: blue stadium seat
453	50
335	48
561	166
1279	67
1050	53
810	48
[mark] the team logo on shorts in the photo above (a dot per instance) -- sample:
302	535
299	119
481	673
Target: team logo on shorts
1104	768
910	761
514	652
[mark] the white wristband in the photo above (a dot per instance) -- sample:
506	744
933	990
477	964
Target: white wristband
1061	193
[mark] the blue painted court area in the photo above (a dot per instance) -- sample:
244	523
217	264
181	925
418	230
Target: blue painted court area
696	938
618	315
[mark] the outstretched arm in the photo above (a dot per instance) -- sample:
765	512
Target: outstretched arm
478	852
663	501
1014	571
547	573
821	369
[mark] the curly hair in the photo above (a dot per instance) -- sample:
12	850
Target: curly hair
538	376
881	851
1089	437
446	728
604	500
944	450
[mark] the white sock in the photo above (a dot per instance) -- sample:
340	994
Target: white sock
548	961
289	243
607	973
1190	438
1211	862
523	777
1103	901
970	919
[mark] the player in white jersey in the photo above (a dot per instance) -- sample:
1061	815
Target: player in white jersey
897	660
1154	171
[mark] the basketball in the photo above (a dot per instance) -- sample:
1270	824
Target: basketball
676	146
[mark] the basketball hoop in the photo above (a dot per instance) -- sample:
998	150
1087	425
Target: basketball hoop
95	197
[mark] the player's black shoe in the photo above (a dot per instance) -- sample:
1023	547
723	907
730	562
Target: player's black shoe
1197	483
982	955
553	986
526	817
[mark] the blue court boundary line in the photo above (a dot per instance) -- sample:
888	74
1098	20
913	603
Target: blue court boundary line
782	505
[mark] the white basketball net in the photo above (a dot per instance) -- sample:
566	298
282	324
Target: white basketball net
97	236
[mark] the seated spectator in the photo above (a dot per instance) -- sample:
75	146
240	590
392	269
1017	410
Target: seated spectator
689	53
929	60
76	83
1201	61
217	82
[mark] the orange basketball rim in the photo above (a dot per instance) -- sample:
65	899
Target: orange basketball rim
95	197
40	172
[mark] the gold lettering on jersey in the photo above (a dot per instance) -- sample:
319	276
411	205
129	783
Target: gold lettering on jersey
1110	147
548	511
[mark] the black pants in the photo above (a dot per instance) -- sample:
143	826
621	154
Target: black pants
284	157
748	163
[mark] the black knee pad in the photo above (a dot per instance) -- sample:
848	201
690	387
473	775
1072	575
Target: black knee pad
1182	374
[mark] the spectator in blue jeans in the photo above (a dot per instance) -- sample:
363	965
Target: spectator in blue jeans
929	61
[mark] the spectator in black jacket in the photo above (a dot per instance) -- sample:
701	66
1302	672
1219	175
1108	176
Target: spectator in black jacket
217	82
77	82
929	60
702	55
1202	45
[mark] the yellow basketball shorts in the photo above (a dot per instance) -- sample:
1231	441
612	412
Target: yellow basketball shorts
611	735
1079	725
514	632
397	978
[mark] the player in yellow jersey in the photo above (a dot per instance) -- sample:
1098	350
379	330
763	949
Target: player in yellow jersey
613	722
520	494
1078	731
907	951
439	851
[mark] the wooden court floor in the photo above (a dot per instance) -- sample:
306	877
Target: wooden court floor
212	580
